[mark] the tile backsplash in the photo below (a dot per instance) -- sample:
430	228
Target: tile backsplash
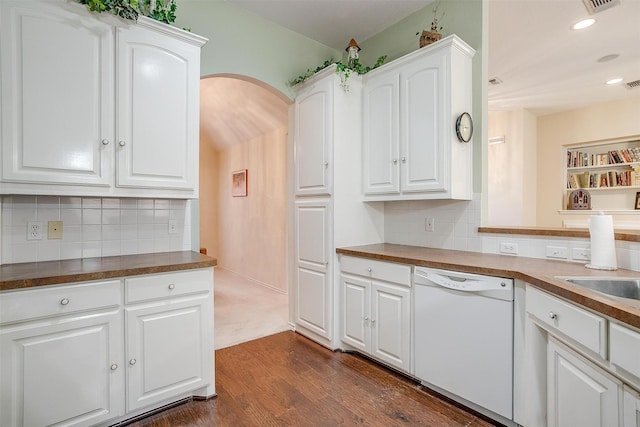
93	227
456	227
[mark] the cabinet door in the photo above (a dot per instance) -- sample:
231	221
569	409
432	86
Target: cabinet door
390	323
166	351
631	408
355	313
314	138
312	281
158	110
422	108
57	95
578	393
380	134
67	370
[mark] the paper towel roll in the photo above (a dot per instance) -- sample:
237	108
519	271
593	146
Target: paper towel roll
603	245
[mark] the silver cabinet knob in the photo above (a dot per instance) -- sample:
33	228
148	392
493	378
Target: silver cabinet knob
552	315
404	160
373	321
105	142
395	161
366	317
132	362
369	269
171	286
64	301
326	164
114	367
122	143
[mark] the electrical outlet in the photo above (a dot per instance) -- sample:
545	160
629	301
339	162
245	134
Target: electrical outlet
581	254
430	224
54	230
557	252
34	230
173	226
509	248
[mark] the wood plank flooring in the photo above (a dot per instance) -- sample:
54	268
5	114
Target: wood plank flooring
288	380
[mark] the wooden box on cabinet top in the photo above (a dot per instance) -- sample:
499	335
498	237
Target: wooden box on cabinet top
61	85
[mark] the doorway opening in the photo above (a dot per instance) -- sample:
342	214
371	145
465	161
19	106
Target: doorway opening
243	204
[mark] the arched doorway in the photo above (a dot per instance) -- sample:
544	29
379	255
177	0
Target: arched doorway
243	127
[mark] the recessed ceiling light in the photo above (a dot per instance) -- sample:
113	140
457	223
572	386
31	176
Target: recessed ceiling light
614	81
583	24
608	58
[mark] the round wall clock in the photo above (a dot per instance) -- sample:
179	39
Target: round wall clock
464	127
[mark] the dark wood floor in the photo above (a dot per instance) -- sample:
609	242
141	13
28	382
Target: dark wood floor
288	380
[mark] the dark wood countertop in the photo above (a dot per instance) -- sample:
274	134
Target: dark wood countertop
27	275
541	273
627	235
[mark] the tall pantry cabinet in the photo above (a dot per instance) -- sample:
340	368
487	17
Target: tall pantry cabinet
328	206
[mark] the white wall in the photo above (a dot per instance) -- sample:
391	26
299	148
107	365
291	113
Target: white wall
512	169
252	230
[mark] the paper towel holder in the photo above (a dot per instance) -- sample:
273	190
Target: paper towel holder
610	263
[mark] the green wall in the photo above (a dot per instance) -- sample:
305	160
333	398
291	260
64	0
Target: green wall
465	18
243	43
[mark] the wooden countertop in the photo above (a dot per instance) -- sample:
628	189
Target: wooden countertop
27	275
627	235
538	272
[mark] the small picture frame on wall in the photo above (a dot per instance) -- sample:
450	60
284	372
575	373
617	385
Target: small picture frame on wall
638	200
239	183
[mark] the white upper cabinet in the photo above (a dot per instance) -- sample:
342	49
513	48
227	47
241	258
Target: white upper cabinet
93	105
57	96
410	107
381	149
314	138
158	107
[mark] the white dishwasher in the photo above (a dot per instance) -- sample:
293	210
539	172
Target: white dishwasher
463	337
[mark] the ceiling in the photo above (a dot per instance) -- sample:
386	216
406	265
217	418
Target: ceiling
545	67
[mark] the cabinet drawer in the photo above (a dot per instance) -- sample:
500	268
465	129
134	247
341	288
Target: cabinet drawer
387	271
625	349
28	304
582	326
167	285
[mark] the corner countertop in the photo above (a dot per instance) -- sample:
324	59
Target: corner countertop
32	274
541	273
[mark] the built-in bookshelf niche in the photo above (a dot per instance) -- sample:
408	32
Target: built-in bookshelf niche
608	170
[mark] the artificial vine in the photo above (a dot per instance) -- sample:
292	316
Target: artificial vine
161	10
344	70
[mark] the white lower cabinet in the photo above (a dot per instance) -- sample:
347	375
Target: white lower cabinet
168	350
61	359
590	374
71	355
376	314
578	392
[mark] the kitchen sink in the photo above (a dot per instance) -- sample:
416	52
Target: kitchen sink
618	287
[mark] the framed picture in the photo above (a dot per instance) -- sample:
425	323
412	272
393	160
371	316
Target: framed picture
638	200
239	183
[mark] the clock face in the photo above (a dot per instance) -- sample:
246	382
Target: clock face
464	127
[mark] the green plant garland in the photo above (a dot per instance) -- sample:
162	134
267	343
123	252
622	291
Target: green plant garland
130	9
344	70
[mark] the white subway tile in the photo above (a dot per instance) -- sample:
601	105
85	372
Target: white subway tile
128	204
145	216
24	252
146	231
162	245
91	216
129	217
110	216
161	217
71	216
128	232
45	215
70	250
70	202
48	251
91	233
161	204
145	204
109	203
88	203
71	233
111	248
129	247
48	202
145	246
92	249
110	233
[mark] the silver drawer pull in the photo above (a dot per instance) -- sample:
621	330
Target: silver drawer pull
132	362
369	269
114	367
64	301
552	315
171	286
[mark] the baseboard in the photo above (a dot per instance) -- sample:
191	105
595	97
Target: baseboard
252	280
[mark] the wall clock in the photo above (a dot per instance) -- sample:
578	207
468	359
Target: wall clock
464	127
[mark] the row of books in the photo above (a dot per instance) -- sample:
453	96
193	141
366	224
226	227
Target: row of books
581	158
603	179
